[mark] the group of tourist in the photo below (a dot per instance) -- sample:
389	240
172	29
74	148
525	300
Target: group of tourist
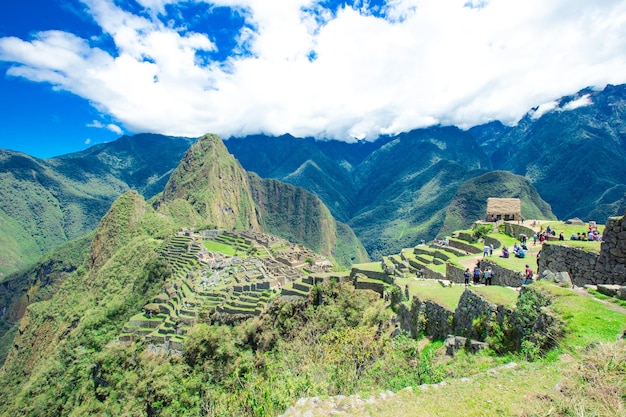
591	235
485	276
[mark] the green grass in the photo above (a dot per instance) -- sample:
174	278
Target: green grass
213	246
433	291
369	266
497	295
587	320
601	296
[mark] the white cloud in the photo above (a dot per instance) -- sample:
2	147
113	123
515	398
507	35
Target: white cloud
455	62
583	101
112	127
87	141
543	109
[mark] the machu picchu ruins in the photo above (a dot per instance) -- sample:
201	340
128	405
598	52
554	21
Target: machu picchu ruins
223	287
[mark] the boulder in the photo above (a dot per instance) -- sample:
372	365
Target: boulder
609	290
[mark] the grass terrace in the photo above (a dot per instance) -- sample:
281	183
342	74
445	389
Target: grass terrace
433	291
220	247
497	295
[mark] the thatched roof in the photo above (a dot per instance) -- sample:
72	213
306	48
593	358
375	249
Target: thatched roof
504	206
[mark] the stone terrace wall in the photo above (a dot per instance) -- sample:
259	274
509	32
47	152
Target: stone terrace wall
372	274
501	276
472	306
457	244
492	241
611	264
426	317
435	320
580	264
454	273
515	230
504	276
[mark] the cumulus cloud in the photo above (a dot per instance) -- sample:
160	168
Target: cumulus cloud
346	73
87	141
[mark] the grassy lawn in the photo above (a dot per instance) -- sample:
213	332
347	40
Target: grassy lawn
369	266
433	291
588	320
497	295
214	246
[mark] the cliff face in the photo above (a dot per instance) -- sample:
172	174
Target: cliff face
299	216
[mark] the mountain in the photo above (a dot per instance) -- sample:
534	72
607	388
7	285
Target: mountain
46	202
470	201
207	189
392	192
573	154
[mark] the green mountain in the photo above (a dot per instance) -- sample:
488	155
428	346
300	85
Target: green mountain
74	302
393	192
574	155
470	201
45	203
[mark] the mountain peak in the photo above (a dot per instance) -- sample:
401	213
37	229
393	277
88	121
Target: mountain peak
214	184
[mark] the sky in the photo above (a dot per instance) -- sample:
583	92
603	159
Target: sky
74	73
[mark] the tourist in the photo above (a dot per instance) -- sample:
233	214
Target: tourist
488	276
466	276
538	255
505	252
476	274
535	238
561	236
490	249
486	250
528	275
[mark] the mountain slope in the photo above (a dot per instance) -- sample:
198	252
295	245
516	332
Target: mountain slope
574	156
470	201
393	192
44	203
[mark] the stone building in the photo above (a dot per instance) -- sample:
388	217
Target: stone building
504	209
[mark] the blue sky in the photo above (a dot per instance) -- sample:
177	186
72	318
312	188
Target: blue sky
74	73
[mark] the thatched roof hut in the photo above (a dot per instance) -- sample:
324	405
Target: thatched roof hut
504	209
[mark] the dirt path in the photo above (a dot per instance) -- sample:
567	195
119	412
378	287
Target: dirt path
608	304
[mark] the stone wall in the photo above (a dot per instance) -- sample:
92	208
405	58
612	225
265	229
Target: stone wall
426	317
501	276
374	286
454	273
492	241
516	229
372	274
579	263
610	267
471	306
457	244
474	314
